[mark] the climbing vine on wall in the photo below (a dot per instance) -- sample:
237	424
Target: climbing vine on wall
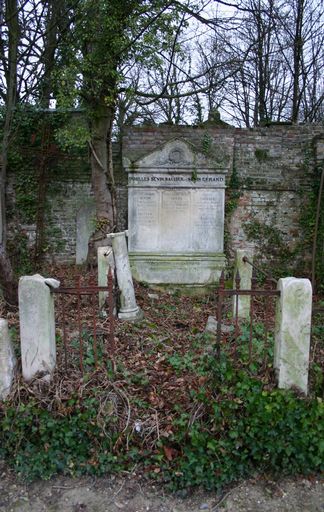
33	157
268	240
233	192
25	186
308	216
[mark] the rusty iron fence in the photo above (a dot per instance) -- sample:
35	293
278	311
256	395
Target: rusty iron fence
260	322
86	331
317	337
256	268
254	336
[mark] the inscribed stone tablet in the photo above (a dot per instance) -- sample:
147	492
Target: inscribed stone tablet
176	216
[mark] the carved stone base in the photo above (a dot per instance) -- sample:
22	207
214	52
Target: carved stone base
181	269
131	315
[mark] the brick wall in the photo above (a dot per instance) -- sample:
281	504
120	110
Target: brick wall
275	170
274	167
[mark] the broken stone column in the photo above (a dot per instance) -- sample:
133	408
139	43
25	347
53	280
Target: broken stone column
292	333
129	309
37	326
245	271
7	360
106	262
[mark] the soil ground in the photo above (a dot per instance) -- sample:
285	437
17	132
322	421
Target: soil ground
133	494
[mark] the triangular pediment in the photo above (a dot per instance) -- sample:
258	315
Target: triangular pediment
176	154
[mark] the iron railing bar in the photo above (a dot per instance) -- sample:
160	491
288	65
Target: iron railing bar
253	285
262	293
318	309
79	325
266	274
219	314
94	323
111	336
64	332
87	290
267	329
237	289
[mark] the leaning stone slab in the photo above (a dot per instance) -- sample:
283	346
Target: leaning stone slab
105	258
37	326
292	333
245	271
7	360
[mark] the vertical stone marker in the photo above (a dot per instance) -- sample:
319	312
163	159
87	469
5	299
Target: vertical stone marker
84	229
7	360
292	333
37	326
106	262
245	271
129	309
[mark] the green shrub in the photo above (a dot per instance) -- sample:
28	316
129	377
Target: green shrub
253	431
41	444
230	427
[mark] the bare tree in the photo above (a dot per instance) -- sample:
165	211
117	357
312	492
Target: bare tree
9	45
302	26
281	51
28	43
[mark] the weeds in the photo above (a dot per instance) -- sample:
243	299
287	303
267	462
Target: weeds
167	405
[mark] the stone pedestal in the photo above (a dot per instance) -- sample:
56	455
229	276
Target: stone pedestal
7	360
245	271
129	309
292	334
37	326
176	216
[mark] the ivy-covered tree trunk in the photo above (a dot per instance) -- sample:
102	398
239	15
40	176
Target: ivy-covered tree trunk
101	164
9	284
7	279
100	125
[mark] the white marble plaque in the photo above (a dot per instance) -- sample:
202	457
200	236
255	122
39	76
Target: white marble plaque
176	220
144	212
208	220
174	228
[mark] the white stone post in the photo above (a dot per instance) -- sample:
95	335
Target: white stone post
37	326
129	309
292	333
106	262
245	271
84	229
7	360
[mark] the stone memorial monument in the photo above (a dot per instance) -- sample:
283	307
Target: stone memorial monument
176	216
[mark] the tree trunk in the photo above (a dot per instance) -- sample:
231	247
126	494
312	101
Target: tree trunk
53	8
7	280
101	167
297	51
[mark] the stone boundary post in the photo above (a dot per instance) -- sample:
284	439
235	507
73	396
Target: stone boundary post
37	326
105	258
292	333
245	271
7	360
